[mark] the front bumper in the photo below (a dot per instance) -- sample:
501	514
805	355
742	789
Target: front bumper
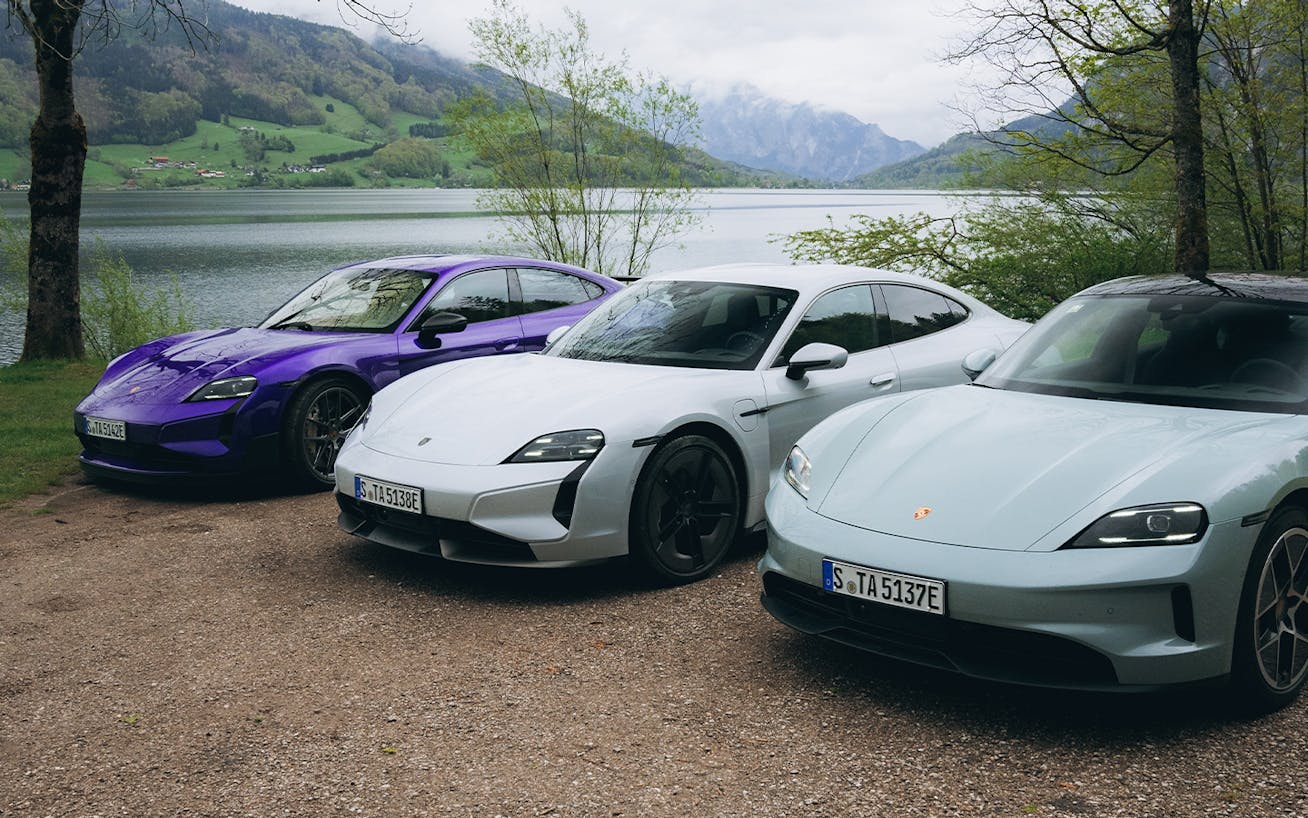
206	442
515	514
1098	619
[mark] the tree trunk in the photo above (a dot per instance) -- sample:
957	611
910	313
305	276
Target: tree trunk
1187	140
54	324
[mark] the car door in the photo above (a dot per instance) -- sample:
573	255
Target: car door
929	335
481	296
846	317
547	299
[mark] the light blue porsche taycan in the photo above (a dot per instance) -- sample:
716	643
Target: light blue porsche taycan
1120	500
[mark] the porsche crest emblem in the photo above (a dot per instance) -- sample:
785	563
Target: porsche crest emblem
921	512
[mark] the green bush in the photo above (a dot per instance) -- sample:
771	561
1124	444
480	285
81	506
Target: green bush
1021	254
117	314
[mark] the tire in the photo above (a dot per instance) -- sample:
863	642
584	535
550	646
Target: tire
1269	663
314	427
685	511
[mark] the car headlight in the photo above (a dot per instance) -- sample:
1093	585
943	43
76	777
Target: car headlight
225	388
577	444
798	471
1161	524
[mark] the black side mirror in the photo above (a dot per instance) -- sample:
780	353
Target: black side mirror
437	324
815	356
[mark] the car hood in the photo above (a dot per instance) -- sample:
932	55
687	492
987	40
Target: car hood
481	411
169	370
992	469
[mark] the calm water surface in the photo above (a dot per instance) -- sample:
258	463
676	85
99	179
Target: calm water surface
239	254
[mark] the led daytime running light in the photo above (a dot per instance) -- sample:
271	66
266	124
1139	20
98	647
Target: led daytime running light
225	389
576	444
1161	524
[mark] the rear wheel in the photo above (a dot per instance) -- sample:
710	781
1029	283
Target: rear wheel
314	428
685	512
1270	661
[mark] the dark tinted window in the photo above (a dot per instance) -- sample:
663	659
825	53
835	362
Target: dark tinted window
547	289
1209	351
914	312
844	317
704	324
479	296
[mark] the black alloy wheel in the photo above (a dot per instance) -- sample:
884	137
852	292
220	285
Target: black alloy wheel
316	423
685	512
1270	661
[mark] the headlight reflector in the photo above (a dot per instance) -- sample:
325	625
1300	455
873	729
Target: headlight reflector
798	471
225	388
576	444
1161	524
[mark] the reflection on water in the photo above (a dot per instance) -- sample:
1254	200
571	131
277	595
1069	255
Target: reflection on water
240	254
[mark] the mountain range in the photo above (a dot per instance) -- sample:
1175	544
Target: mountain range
269	83
755	130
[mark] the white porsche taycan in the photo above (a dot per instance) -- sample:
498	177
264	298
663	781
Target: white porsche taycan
653	426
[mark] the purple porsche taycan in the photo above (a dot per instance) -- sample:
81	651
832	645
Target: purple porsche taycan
280	398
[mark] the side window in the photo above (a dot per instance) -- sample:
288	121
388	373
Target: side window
844	317
478	296
547	289
915	312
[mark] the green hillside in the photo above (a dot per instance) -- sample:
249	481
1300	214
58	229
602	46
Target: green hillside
270	102
963	160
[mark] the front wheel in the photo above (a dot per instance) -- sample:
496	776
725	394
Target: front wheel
314	428
685	512
1270	661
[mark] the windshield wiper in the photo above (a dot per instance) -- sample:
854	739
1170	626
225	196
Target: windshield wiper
292	323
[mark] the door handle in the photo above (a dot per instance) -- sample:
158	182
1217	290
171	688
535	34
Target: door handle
506	344
884	379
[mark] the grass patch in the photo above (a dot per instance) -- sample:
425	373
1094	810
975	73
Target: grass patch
37	444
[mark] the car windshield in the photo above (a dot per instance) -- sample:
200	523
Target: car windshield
356	299
700	324
1204	351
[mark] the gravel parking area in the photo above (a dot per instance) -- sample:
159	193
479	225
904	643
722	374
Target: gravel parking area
181	656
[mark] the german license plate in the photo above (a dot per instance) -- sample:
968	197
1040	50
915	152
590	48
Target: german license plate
390	495
886	587
109	429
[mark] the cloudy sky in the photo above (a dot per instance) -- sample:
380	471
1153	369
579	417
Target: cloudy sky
880	60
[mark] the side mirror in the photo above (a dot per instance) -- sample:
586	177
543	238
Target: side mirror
439	323
815	356
976	361
556	334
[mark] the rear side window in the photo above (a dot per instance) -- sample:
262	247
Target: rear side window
912	312
548	289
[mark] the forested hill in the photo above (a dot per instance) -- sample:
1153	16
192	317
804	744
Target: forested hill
258	66
335	95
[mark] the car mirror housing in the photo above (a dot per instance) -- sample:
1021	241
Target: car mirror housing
440	323
815	356
977	361
555	334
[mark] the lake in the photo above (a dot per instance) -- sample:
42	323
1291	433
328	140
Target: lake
239	254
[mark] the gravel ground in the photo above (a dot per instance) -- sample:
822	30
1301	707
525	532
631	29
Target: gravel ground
182	656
